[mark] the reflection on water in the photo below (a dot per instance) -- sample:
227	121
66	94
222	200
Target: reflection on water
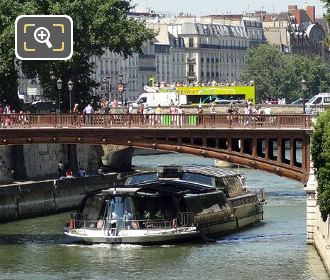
275	249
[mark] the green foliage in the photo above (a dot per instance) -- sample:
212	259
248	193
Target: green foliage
321	158
97	24
278	75
327	7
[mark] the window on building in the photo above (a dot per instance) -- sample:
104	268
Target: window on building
191	42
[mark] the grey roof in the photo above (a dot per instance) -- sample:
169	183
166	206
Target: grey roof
283	16
213	30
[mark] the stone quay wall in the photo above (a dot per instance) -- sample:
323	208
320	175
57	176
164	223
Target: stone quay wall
33	199
322	238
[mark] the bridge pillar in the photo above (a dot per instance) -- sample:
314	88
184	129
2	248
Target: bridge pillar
6	166
118	158
311	191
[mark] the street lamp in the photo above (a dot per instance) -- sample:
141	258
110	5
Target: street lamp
59	87
303	84
107	85
70	86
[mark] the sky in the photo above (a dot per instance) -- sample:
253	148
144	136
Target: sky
203	7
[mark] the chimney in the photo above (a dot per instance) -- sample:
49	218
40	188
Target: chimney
310	10
292	8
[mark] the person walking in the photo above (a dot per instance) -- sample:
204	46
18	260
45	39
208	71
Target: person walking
199	114
213	113
88	111
75	111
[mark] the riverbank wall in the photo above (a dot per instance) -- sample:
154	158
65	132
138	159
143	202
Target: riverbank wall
33	199
322	238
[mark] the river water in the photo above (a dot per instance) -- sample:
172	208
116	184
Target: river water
275	249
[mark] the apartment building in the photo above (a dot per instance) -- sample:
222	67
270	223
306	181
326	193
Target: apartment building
295	31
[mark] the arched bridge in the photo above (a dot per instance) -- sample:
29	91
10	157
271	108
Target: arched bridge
278	144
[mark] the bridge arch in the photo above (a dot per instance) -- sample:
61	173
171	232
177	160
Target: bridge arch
284	152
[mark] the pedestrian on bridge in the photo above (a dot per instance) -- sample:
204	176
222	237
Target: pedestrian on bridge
88	111
200	115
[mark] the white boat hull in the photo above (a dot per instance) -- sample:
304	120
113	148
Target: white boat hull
162	236
135	236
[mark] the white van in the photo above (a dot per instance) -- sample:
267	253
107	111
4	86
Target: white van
320	99
154	99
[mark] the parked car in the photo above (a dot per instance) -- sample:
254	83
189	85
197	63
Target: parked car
299	101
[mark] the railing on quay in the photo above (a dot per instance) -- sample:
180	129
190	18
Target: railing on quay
154	121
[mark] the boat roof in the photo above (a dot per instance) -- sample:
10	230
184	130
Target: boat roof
210	171
172	186
169	180
120	190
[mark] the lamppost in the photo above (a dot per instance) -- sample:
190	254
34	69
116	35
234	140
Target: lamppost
303	84
107	85
59	87
70	87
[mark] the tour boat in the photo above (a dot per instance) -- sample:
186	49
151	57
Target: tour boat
172	204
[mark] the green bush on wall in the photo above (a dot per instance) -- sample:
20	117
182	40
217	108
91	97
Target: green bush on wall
321	157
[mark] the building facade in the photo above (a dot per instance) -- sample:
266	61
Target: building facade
134	72
295	31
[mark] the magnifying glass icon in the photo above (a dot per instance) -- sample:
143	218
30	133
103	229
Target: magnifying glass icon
41	35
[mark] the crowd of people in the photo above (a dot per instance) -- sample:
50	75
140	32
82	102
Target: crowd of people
65	172
213	83
11	116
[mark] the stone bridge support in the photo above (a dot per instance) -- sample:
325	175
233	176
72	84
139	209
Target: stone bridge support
118	158
318	232
310	190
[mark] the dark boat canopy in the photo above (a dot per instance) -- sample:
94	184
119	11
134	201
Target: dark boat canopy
175	187
178	180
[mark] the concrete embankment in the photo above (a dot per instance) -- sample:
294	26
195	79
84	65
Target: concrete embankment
322	239
32	199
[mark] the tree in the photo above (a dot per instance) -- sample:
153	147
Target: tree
278	75
327	7
264	65
98	24
321	158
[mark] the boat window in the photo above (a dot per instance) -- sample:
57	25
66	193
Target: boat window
117	209
162	207
92	208
141	178
128	211
198	178
120	208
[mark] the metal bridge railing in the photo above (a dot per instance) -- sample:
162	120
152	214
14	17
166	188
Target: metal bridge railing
154	121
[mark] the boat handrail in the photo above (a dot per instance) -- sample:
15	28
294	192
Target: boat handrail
184	219
258	191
